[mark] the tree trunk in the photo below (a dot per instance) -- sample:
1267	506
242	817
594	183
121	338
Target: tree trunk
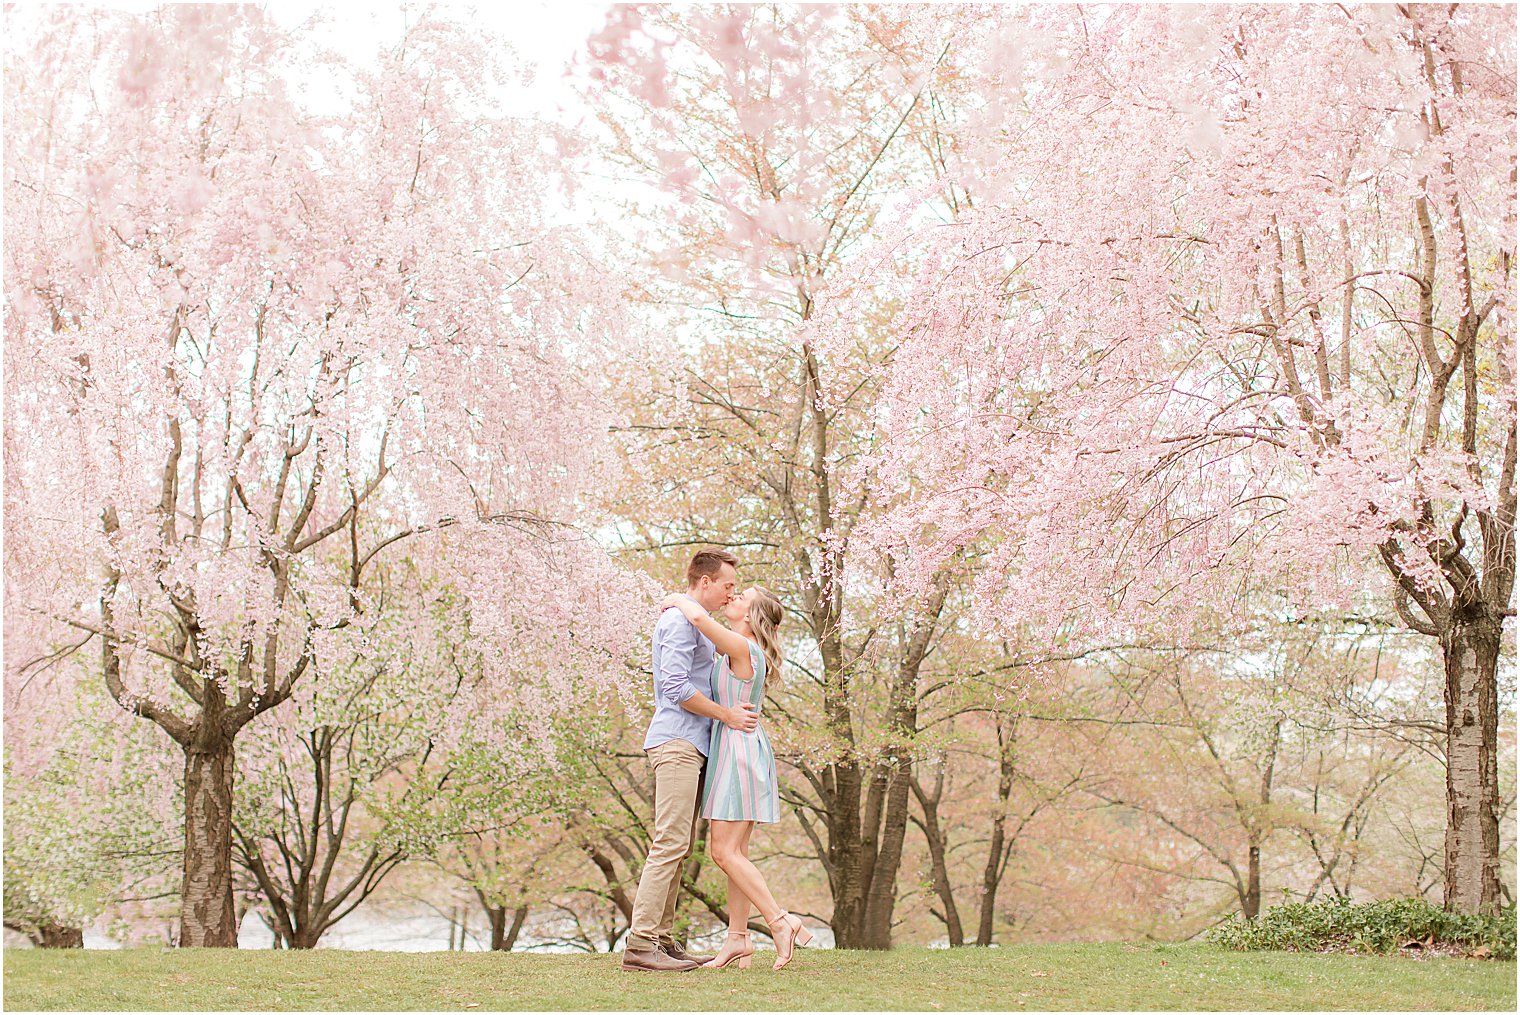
889	799
1259	827
615	889
851	848
503	933
56	935
207	917
305	938
845	849
496	918
866	835
48	935
934	835
1470	644
998	847
881	893
991	875
885	823
1250	902
519	917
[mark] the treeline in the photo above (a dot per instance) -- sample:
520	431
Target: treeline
1136	791
1133	451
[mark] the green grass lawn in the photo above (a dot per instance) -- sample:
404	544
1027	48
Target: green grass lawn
1029	978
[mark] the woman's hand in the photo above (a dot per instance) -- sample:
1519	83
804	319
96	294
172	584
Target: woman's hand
689	607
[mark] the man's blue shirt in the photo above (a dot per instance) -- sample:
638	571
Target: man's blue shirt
683	665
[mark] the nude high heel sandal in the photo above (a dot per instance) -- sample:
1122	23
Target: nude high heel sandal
742	956
787	927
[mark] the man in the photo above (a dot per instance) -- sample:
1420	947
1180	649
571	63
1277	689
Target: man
676	745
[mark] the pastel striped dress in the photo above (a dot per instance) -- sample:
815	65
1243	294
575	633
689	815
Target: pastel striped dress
741	769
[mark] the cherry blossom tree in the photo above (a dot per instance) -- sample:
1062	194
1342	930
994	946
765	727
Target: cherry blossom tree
1236	297
772	142
252	350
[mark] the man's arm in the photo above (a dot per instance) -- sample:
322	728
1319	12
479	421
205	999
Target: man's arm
742	718
727	642
678	647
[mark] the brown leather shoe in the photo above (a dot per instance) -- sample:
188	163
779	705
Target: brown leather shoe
675	951
655	961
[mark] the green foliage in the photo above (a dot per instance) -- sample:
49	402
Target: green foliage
92	828
1383	926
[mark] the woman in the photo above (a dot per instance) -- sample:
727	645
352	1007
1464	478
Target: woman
741	770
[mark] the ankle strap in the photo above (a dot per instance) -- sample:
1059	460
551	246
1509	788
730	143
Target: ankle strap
738	933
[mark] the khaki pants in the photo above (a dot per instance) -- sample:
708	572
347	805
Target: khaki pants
677	768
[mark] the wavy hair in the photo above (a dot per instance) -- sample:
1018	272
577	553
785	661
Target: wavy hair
765	616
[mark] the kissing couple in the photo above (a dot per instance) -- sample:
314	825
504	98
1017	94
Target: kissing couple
705	743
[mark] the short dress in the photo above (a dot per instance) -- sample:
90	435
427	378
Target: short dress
741	769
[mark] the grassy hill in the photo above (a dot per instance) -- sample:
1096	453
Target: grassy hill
1027	978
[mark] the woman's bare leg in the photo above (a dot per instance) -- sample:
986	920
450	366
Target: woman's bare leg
728	841
737	942
739	907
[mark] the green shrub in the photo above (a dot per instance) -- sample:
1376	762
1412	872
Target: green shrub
1385	926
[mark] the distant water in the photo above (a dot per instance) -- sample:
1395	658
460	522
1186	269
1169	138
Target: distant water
399	929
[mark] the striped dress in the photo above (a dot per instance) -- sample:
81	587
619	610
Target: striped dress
741	770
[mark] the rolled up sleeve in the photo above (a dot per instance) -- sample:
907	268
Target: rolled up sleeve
678	647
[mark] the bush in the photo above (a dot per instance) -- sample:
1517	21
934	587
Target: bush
1385	926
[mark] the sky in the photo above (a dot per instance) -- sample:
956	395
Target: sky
546	36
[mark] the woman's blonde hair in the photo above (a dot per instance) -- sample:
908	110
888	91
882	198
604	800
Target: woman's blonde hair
765	615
